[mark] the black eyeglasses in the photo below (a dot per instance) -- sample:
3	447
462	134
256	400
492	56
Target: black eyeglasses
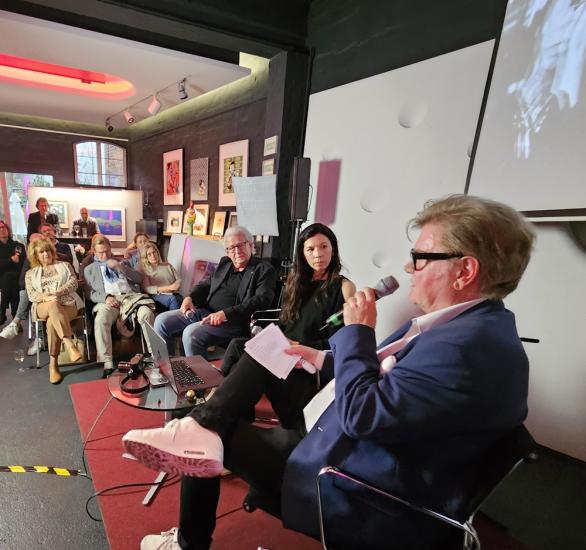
238	246
420	259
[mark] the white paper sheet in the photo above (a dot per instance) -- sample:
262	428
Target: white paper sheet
256	204
268	348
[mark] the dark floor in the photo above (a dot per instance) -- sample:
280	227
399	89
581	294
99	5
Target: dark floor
542	504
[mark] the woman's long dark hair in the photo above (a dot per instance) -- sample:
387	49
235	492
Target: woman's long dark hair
298	282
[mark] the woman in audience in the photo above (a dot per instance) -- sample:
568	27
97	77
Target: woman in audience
11	260
51	288
160	279
132	254
314	290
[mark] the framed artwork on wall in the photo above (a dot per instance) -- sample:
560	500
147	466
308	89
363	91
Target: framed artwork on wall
270	146
233	219
233	162
174	221
200	225
60	208
111	221
219	223
173	177
268	167
199	179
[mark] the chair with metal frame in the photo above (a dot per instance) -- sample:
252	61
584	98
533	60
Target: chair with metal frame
509	452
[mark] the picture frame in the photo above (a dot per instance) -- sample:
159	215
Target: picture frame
200	226
219	224
233	219
111	221
173	177
268	167
174	221
233	162
202	271
270	146
199	179
61	209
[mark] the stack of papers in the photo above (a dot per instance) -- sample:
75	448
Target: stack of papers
268	348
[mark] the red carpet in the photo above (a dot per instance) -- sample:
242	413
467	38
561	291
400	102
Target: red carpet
126	520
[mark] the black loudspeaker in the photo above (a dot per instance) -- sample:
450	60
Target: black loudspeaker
299	188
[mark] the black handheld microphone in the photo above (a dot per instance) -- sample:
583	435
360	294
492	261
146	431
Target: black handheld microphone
387	285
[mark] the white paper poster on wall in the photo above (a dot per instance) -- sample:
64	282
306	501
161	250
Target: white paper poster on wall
256	204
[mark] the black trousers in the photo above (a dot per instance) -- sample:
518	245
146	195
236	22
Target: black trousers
255	454
10	291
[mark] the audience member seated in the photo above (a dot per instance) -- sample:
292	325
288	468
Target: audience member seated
415	418
51	287
132	253
114	288
12	329
11	260
86	225
35	219
47	230
314	290
89	254
219	309
160	279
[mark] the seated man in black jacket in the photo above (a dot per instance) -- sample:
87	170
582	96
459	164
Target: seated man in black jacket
219	309
64	254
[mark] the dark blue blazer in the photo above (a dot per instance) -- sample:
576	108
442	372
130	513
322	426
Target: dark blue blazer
419	431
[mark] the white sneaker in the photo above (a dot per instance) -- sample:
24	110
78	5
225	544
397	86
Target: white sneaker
32	349
10	331
167	540
182	447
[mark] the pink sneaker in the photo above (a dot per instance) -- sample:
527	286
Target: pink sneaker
181	447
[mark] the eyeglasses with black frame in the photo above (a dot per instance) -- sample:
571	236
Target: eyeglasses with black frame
420	259
234	247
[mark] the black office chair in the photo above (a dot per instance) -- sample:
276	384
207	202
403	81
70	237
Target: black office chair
510	451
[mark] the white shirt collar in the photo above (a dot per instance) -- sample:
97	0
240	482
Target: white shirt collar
435	318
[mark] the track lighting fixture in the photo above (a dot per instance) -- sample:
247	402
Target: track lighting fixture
129	117
154	106
182	93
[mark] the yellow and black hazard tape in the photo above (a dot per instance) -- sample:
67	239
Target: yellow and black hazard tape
65	472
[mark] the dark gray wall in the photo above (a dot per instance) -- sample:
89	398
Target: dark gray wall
357	39
197	139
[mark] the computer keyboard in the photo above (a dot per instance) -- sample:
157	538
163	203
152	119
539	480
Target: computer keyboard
184	375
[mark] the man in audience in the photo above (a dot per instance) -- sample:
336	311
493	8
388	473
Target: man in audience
86	225
415	418
47	230
42	215
219	309
107	283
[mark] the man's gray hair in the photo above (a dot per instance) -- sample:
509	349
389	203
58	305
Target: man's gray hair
237	230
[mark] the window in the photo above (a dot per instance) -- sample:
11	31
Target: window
100	163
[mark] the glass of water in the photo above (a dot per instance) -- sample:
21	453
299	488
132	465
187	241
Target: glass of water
19	356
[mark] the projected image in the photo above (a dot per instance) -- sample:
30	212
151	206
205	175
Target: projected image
557	65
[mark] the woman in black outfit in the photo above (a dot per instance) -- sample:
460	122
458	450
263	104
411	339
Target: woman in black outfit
11	259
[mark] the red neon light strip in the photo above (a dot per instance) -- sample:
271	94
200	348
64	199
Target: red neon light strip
41	67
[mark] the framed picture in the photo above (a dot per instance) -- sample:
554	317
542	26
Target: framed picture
219	223
202	271
173	177
199	179
111	221
200	225
233	219
174	221
60	208
268	167
270	146
233	162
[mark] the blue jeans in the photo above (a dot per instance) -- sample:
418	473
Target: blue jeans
168	301
196	337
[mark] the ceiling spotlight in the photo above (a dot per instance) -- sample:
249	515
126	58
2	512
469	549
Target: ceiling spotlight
155	106
109	126
129	117
182	92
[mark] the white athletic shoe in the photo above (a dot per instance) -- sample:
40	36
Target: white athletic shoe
182	447
10	331
32	349
167	540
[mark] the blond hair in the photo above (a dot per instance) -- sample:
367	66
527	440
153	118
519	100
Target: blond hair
144	261
98	238
36	247
493	233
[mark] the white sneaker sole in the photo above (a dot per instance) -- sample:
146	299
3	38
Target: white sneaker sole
163	461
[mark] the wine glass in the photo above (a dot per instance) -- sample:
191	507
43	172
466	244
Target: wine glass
76	230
